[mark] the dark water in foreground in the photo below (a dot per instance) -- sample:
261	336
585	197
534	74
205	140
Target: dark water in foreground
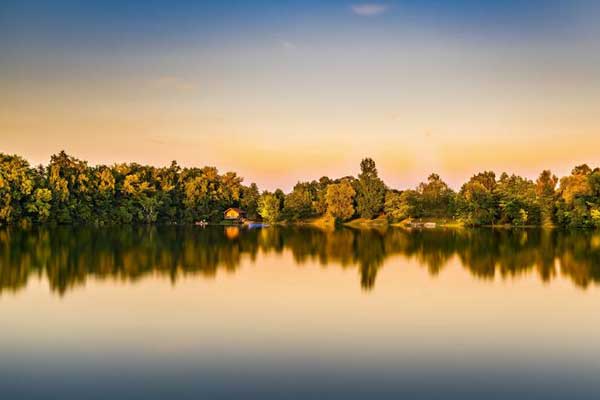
196	313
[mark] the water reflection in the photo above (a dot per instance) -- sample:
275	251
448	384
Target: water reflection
68	256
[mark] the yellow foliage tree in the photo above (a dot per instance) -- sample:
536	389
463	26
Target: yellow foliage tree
340	200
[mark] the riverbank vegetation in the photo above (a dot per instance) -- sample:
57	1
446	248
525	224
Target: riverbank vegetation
69	191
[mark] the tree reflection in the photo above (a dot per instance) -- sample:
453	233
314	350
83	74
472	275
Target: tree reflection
67	256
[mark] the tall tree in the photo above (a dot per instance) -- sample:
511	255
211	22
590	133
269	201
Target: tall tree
370	191
169	193
545	190
320	198
249	200
70	181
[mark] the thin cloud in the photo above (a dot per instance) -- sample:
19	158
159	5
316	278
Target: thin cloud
287	45
369	9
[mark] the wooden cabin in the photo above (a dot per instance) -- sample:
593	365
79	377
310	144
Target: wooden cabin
234	214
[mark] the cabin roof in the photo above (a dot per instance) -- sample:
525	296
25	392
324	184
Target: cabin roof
238	210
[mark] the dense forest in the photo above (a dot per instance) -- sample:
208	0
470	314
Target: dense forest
69	191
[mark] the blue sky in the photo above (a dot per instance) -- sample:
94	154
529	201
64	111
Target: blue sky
308	87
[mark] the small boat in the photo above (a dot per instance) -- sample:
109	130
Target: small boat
255	225
202	223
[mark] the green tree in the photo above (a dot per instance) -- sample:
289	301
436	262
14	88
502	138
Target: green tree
595	214
517	200
169	193
229	190
393	206
370	191
340	200
320	198
298	204
278	193
249	200
437	199
139	189
40	205
17	184
269	207
477	203
70	181
411	204
576	198
545	190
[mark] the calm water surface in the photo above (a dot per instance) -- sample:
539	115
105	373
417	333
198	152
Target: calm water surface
298	313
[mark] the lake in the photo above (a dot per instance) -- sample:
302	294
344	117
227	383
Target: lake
290	312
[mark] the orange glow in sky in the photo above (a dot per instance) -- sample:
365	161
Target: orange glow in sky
291	94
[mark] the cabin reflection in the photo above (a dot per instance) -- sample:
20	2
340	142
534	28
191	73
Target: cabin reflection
232	232
67	256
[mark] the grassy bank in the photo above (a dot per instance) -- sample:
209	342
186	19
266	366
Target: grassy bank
327	222
439	222
378	222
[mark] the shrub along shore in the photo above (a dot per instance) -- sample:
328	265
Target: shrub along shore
69	191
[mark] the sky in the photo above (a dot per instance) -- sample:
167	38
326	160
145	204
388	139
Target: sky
281	91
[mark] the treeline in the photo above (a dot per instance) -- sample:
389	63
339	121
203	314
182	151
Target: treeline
573	201
69	191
